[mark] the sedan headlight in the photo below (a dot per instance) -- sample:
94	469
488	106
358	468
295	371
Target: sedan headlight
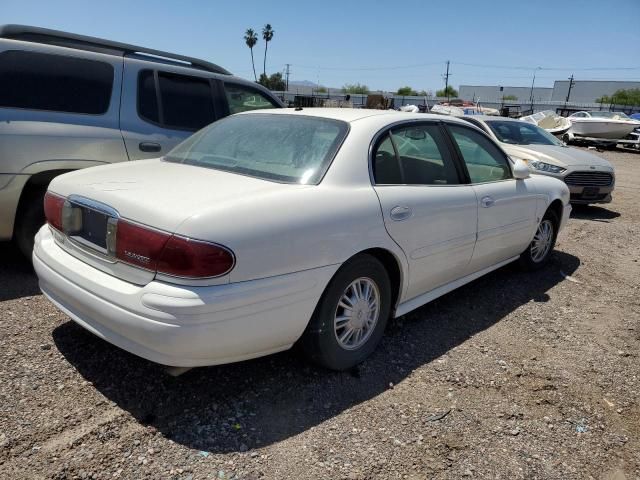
545	167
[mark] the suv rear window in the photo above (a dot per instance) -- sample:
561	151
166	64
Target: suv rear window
184	103
40	81
284	148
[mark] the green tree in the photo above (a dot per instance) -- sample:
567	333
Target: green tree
250	38
629	96
510	97
447	92
321	90
406	91
274	82
355	88
267	36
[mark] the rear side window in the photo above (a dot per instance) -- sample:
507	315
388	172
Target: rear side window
414	155
147	98
386	167
39	81
242	99
183	103
484	160
424	157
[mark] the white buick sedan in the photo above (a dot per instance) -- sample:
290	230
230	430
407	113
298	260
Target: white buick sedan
273	227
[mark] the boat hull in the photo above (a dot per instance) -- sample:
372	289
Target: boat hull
602	129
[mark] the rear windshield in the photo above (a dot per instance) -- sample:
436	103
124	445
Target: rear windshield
282	148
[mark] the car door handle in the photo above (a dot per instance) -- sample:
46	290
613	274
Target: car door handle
400	212
149	147
487	202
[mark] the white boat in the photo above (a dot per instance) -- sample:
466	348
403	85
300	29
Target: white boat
463	108
447	110
410	108
596	124
550	121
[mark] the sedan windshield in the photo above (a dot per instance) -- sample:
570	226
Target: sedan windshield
282	148
521	133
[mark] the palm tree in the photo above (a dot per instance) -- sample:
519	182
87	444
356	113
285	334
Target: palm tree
251	39
267	35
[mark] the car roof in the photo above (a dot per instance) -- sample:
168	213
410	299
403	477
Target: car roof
351	115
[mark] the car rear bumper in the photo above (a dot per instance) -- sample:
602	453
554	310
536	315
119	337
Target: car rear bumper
179	325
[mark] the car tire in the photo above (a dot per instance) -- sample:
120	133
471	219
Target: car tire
326	340
539	251
30	219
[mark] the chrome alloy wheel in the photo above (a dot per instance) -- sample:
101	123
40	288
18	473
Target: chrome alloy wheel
542	241
357	313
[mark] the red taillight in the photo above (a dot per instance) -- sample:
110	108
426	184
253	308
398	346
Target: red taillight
170	254
53	209
184	257
138	245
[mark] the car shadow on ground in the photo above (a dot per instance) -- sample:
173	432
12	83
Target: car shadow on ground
17	278
592	212
259	402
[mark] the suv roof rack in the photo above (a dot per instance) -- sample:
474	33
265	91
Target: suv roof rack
82	42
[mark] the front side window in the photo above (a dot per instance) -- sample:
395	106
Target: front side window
184	102
283	148
40	81
484	160
242	98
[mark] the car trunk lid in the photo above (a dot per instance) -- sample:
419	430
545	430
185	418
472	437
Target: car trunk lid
153	193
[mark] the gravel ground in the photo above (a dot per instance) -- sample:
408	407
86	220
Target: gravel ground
513	376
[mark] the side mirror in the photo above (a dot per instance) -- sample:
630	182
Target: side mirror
520	170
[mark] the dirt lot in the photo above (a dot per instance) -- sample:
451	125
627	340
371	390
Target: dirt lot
513	376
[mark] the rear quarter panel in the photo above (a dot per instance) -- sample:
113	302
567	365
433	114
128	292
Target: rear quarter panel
297	230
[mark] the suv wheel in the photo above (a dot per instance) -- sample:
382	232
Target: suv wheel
30	219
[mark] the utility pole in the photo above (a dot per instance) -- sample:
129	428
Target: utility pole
446	82
287	76
532	84
571	84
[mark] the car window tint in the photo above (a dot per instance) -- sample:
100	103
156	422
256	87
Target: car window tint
386	168
187	102
424	157
242	99
484	160
59	83
147	99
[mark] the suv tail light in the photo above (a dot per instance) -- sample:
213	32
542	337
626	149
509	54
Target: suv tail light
169	254
53	209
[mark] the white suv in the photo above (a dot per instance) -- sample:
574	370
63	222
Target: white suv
69	102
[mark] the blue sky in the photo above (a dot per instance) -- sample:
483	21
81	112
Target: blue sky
383	45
